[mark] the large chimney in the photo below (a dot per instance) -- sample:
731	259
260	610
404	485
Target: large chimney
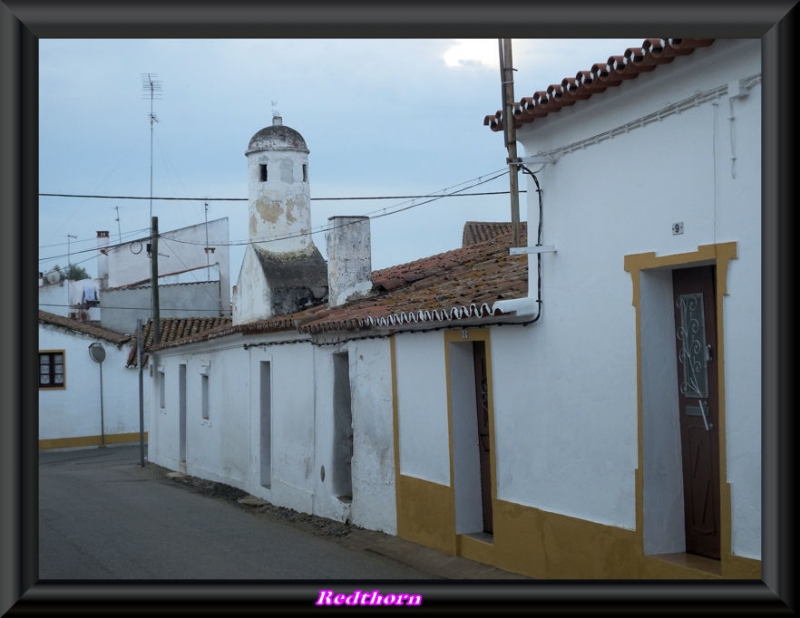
282	271
278	189
349	259
102	258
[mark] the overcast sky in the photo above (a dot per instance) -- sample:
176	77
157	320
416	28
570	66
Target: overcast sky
382	118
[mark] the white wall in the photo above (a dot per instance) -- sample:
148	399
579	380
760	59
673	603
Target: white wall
178	250
422	407
373	502
619	196
76	410
227	446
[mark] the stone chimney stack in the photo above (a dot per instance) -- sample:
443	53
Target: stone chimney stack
349	259
282	271
278	190
102	258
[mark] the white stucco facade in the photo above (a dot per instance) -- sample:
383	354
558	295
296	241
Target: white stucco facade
581	474
628	166
73	416
271	425
179	251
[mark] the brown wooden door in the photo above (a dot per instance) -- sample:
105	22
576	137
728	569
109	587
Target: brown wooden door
484	439
696	339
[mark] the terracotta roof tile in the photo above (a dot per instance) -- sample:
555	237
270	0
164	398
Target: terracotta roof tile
463	283
185	330
84	328
602	75
479	231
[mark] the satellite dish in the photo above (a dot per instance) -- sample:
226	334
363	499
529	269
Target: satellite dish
97	352
53	276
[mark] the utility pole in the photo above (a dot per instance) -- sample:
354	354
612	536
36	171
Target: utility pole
139	344
509	133
154	280
208	263
69	254
119	228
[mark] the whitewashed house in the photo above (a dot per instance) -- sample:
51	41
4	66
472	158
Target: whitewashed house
637	450
536	408
86	400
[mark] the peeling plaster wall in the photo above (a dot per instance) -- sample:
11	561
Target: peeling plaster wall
252	300
373	500
580	369
280	214
227	446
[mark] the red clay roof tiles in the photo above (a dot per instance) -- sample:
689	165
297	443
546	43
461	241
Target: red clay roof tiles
602	75
458	284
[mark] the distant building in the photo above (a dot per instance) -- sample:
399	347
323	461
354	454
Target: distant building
194	280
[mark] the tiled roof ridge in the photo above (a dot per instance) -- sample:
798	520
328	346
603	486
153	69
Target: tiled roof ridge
84	328
602	75
396	287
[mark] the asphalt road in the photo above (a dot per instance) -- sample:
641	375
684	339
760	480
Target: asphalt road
102	516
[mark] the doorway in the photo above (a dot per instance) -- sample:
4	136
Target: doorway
698	404
470	406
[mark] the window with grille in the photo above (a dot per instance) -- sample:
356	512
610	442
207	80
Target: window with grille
51	370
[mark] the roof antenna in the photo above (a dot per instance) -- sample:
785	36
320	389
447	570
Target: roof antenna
152	88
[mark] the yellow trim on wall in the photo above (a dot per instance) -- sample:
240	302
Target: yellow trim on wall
425	510
61	386
546	545
720	256
82	441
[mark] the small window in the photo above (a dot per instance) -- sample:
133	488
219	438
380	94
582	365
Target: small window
162	399
263	169
204	395
305	173
51	370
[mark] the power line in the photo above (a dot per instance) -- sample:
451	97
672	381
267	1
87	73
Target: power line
244	199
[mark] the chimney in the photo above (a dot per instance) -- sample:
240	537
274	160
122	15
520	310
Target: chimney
102	258
41	278
349	259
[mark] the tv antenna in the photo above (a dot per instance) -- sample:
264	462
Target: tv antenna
151	87
119	228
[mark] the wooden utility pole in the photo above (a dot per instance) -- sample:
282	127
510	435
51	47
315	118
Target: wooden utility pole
510	134
154	280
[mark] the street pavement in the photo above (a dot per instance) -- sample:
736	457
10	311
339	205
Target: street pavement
102	516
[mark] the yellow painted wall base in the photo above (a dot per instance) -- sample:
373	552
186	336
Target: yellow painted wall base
545	545
426	513
81	441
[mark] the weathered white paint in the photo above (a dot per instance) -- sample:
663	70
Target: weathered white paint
252	295
349	259
280	215
228	446
75	411
602	201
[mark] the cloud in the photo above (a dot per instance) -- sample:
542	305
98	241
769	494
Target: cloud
473	54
